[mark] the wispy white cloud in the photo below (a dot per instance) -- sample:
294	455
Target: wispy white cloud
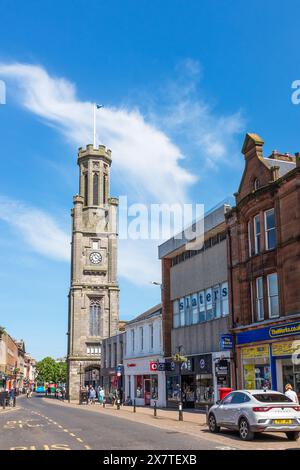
137	145
37	229
211	138
147	151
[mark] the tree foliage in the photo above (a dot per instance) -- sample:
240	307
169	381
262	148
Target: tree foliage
52	371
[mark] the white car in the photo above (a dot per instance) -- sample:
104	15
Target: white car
251	411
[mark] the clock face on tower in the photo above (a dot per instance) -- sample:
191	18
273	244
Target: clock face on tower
95	257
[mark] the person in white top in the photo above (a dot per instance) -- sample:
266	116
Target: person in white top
289	392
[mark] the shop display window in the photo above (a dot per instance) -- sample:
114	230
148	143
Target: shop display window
139	386
154	387
173	390
204	389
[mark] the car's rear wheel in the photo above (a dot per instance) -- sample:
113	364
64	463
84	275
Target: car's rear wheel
244	429
212	424
292	435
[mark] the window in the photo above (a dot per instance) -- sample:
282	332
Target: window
104	189
86	189
256	184
259	299
216	302
115	355
257	233
151	331
273	301
139	386
239	397
93	349
132	340
181	312
95	189
224	296
249	239
142	338
187	310
272	398
270	232
94	319
95	245
176	317
209	306
194	308
109	363
202	306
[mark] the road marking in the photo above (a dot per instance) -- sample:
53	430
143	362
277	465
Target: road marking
79	440
225	448
87	447
71	434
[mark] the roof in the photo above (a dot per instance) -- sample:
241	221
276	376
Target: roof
149	313
211	220
284	167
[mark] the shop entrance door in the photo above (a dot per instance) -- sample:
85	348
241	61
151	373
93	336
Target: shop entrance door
291	374
147	390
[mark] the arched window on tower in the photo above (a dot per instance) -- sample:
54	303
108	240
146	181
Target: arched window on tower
86	189
95	189
95	317
104	189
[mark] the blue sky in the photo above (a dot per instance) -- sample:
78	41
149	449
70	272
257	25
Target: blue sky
181	81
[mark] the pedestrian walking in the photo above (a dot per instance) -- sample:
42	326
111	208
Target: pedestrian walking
289	392
100	395
11	396
92	395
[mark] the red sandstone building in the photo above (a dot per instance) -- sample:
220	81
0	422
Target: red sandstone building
264	269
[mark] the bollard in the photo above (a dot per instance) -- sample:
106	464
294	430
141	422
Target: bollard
180	413
118	403
103	403
155	410
14	401
206	411
134	407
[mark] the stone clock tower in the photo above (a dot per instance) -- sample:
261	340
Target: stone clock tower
94	291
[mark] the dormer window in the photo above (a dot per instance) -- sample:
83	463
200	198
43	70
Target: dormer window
256	184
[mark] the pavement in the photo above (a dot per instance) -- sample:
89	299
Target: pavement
49	424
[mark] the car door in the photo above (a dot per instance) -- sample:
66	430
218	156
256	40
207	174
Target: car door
238	402
225	409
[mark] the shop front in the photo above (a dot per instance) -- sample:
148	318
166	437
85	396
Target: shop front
145	381
269	357
112	379
202	376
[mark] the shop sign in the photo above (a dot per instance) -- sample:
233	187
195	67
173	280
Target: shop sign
255	351
226	342
204	364
187	365
286	348
170	366
131	365
157	366
222	367
267	333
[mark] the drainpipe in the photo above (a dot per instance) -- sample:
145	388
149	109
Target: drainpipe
232	308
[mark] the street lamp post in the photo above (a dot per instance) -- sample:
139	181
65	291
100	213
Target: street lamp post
80	383
179	360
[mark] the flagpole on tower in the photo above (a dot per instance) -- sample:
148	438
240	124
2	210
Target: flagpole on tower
94	125
96	106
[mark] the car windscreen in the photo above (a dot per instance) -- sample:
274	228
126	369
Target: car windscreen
272	398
